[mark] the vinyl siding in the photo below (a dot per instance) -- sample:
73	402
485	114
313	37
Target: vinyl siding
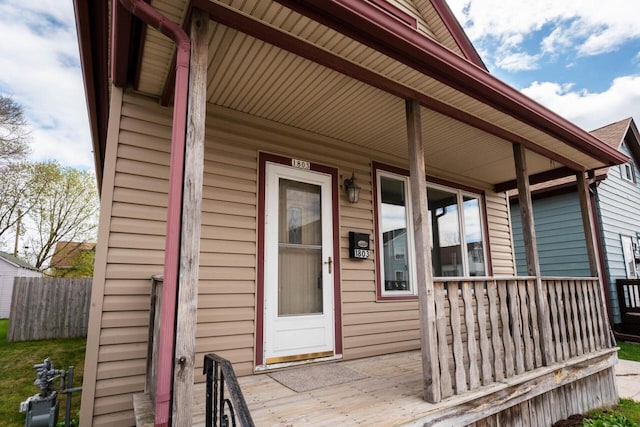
134	247
134	252
559	234
618	207
502	258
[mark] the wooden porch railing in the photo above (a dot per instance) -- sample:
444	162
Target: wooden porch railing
154	337
487	329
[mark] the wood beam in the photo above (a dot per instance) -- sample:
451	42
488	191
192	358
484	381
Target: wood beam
592	239
184	362
588	224
535	179
424	280
531	251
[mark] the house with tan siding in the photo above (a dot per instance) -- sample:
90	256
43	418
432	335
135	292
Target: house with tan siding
226	135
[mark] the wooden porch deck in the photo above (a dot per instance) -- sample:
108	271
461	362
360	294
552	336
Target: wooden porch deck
391	394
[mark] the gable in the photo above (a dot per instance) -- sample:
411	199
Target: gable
445	28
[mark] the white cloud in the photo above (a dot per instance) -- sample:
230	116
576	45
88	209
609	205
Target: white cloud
519	61
556	40
587	27
41	71
590	110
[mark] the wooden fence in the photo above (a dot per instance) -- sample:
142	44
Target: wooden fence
48	308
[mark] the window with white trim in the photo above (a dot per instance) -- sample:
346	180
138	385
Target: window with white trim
457	233
626	170
629	251
395	239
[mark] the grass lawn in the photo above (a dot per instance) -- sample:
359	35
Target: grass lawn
17	374
629	351
627	408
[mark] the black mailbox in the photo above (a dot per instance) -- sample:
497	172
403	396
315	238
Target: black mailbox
358	245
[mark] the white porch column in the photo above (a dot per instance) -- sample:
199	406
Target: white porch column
187	301
428	339
531	251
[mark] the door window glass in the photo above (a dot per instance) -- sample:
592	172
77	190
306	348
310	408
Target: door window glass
299	248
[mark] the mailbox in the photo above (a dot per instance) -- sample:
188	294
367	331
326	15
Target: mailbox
358	245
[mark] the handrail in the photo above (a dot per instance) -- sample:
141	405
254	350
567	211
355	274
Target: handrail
217	369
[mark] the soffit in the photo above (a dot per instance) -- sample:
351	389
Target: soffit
257	78
271	83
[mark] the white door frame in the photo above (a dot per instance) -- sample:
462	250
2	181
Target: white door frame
299	337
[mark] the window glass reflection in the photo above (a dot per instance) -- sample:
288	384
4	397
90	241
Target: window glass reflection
393	225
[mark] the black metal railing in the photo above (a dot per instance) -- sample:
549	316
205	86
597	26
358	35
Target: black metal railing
220	410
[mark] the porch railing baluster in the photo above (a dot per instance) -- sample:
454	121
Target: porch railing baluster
506	343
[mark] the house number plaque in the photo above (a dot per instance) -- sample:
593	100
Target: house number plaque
358	245
300	164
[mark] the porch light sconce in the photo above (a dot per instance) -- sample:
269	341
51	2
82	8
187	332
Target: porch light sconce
353	189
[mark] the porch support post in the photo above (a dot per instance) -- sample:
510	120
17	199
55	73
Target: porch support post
428	339
590	225
531	251
184	362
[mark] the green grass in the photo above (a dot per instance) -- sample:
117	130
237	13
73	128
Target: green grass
17	374
629	351
627	408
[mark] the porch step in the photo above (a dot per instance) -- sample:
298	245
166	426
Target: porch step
143	410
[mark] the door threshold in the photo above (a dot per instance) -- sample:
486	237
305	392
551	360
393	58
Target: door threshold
272	366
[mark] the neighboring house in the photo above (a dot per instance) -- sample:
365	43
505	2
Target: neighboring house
11	267
249	224
72	259
615	193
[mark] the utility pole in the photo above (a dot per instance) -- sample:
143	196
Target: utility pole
15	247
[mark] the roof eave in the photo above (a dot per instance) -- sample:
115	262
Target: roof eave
367	25
360	21
91	25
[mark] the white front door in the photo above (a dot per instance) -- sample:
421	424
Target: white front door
299	270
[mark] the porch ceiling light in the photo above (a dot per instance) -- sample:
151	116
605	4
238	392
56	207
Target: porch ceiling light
353	189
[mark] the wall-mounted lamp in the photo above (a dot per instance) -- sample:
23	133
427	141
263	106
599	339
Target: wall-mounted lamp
353	189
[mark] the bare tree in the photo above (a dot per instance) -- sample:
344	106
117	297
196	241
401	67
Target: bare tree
66	210
21	185
13	130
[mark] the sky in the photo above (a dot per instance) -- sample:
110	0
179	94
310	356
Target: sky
579	58
40	69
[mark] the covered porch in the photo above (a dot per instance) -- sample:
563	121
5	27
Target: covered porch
490	368
335	87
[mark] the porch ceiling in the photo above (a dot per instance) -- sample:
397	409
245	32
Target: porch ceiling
258	78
